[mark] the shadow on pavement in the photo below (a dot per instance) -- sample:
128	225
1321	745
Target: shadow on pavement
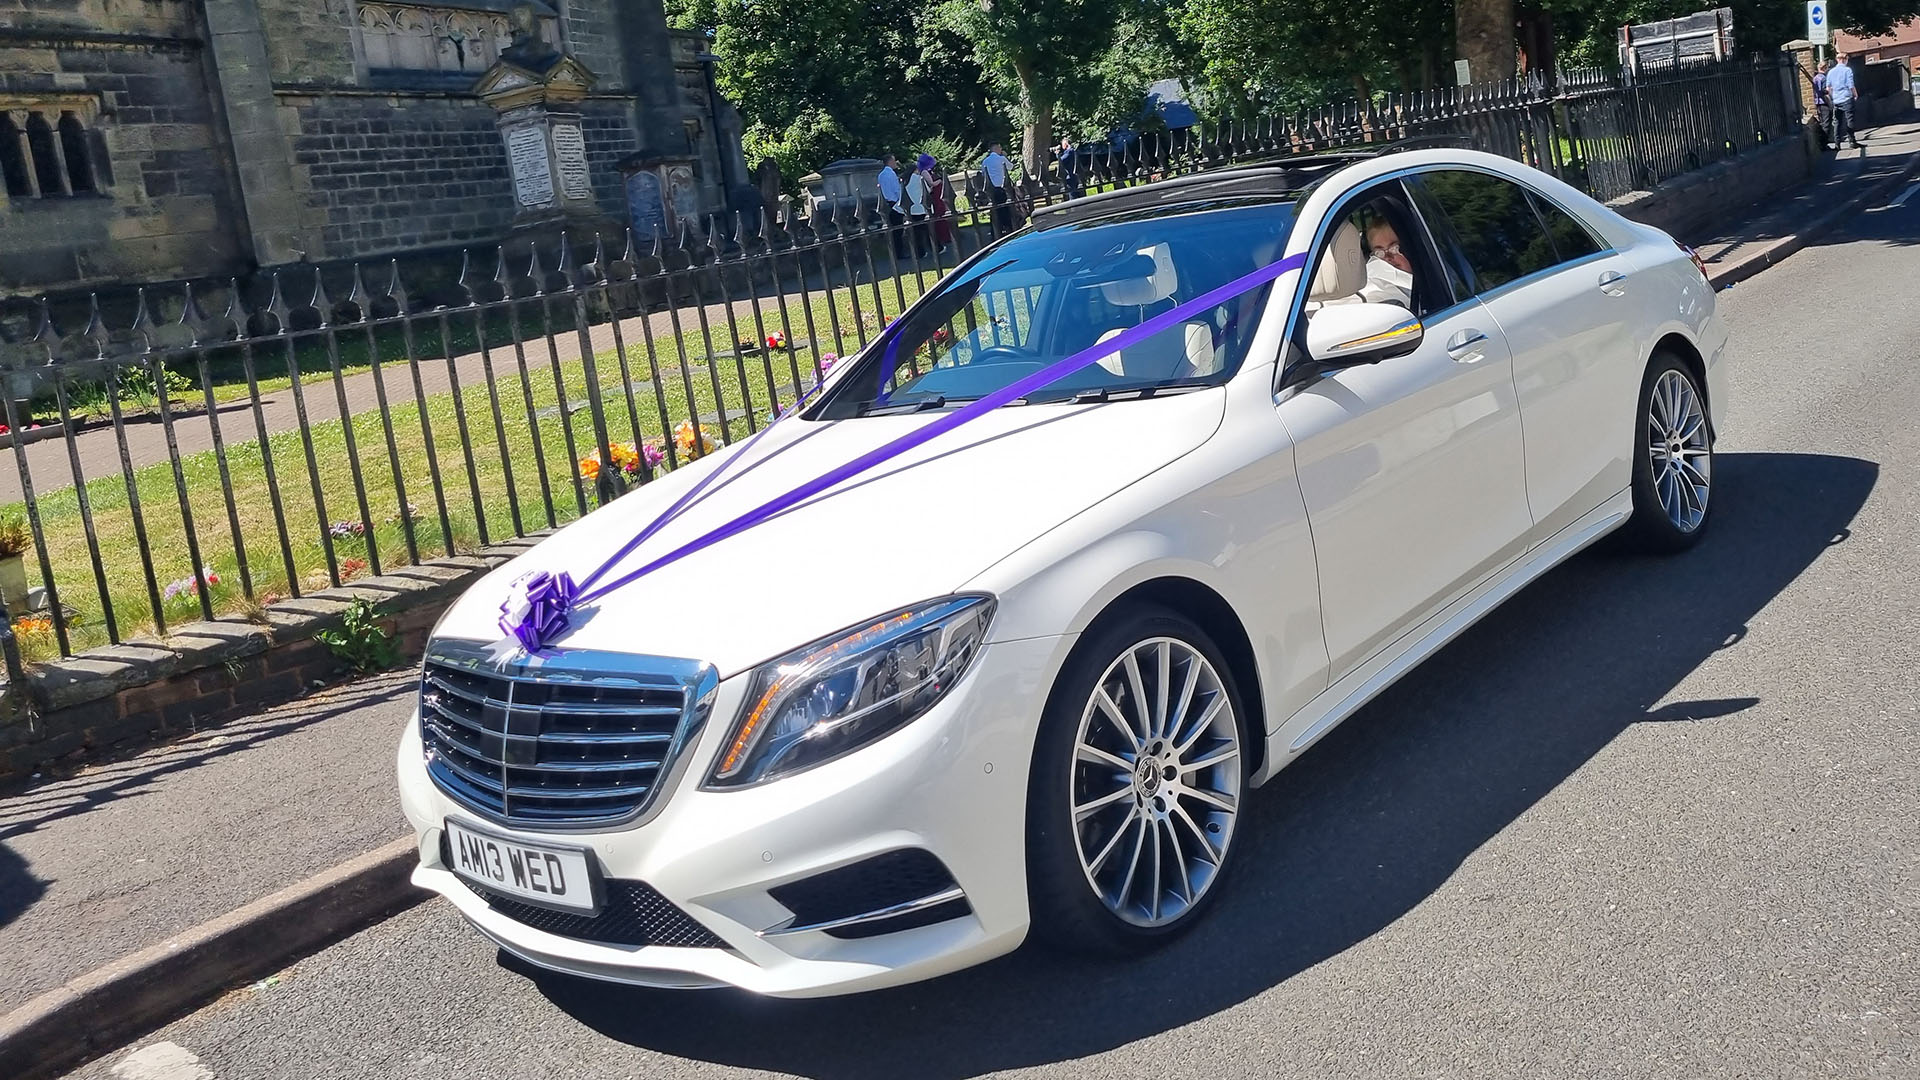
19	889
106	782
1345	842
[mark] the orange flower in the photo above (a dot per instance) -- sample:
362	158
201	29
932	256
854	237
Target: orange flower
590	466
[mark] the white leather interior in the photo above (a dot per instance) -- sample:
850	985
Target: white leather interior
1342	272
1153	358
1139	292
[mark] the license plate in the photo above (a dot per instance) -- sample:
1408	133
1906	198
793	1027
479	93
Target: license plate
555	877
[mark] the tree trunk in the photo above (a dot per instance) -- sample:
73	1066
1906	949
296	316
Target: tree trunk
1484	34
1037	134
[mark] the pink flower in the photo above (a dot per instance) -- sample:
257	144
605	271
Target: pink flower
653	455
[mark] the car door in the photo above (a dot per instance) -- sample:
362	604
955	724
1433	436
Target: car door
1564	300
1411	468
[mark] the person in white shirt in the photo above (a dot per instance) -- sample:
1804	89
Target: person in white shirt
890	195
1840	91
996	166
1389	271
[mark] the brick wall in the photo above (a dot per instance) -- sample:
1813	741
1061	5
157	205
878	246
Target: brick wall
594	37
389	174
309	42
165	198
608	128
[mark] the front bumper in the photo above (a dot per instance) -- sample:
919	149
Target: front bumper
953	783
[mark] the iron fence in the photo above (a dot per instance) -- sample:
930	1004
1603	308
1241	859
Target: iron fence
215	448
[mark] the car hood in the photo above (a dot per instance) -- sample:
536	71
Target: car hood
916	527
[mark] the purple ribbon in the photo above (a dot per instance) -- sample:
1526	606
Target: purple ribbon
535	611
534	631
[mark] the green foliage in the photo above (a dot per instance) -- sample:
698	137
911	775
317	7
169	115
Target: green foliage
136	385
828	79
361	643
952	154
15	537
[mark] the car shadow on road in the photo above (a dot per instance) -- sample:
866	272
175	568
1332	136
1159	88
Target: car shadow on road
1348	840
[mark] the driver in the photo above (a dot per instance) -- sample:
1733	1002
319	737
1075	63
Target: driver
1389	271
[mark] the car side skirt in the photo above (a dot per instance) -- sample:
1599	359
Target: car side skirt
1344	698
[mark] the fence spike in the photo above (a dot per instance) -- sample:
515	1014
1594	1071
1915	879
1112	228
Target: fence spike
96	330
143	321
397	289
502	276
466	269
600	275
277	305
632	255
564	267
320	302
659	244
534	272
47	333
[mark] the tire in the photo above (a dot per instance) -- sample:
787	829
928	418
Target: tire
1672	460
1194	811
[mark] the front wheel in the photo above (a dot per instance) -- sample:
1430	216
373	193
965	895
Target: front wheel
1672	460
1138	777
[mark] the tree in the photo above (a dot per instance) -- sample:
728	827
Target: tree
817	80
1045	49
1483	37
1258	55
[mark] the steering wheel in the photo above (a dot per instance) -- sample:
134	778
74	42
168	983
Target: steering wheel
1000	354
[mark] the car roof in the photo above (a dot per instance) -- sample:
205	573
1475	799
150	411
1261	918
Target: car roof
1275	179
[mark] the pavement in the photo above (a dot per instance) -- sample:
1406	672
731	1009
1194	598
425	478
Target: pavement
1654	818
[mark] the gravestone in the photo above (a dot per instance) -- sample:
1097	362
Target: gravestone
536	91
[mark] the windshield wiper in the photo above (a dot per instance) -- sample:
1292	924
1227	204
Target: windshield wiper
1119	393
938	401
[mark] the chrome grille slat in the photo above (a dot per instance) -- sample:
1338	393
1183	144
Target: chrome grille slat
550	744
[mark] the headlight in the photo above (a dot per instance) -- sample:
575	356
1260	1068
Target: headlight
843	692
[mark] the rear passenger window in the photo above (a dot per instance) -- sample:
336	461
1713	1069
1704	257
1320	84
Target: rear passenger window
1570	238
1494	220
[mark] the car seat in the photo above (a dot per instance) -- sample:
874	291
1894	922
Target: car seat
1172	353
1342	273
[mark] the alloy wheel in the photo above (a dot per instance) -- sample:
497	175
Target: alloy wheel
1156	782
1679	450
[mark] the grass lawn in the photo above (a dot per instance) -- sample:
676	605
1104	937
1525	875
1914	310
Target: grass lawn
349	491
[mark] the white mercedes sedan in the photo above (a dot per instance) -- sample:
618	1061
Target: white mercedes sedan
997	634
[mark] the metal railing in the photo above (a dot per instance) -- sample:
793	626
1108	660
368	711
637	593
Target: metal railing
327	424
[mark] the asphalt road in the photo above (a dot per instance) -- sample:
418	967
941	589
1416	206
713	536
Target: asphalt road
1656	818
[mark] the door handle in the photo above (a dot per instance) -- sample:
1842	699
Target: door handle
1465	347
1613	283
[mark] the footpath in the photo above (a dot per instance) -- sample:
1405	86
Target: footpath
135	889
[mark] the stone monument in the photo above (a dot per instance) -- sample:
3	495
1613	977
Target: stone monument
536	91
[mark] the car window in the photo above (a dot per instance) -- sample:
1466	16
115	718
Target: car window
1571	240
1494	221
1040	297
1446	247
1378	251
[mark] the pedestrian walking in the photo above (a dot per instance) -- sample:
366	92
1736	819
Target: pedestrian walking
998	168
891	194
1069	159
1822	104
919	203
1841	93
942	209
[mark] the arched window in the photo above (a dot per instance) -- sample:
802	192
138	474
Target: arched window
46	156
73	144
13	160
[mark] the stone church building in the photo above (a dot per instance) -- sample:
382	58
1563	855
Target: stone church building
147	140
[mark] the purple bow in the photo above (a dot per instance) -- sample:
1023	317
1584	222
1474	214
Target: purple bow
535	610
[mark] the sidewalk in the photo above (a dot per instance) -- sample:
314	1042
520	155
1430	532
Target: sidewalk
1776	229
129	853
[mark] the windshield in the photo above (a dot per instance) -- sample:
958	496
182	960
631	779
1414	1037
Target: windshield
1044	296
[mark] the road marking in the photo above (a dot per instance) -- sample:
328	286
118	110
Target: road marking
162	1061
1902	198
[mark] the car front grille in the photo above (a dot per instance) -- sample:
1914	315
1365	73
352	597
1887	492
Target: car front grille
551	746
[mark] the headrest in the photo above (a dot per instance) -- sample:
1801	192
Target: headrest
1139	292
1343	269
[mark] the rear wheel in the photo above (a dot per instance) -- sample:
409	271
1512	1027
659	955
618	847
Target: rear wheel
1672	461
1138	776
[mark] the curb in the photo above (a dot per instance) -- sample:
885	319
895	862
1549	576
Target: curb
1780	249
111	1006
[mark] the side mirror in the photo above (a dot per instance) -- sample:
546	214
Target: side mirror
1344	335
